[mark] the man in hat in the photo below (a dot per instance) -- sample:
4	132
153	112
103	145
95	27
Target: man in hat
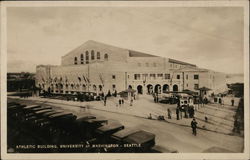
194	126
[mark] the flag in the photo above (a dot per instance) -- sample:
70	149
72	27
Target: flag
87	79
50	79
79	78
84	78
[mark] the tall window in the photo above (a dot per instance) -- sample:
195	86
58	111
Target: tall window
92	55
196	76
186	76
178	76
87	56
137	76
152	76
167	76
144	76
82	59
75	60
98	55
113	76
160	76
106	57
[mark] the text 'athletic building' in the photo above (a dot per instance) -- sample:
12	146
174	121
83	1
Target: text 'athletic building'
97	67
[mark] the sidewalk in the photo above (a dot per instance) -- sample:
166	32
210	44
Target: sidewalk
220	118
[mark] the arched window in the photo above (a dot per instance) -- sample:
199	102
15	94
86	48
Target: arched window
106	57
92	55
98	55
82	59
75	60
87	56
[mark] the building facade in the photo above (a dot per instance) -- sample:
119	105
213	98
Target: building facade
97	67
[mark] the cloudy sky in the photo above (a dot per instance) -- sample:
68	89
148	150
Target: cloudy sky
210	37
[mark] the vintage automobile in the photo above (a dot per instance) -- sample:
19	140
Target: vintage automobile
142	140
109	128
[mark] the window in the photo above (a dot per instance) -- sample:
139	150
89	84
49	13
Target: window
113	86
152	76
171	65
147	65
87	57
187	84
82	59
196	76
113	76
137	76
92	55
106	57
196	86
178	76
75	60
98	55
159	75
167	76
186	76
144	76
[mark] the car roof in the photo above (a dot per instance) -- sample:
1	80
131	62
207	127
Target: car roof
31	106
140	137
110	126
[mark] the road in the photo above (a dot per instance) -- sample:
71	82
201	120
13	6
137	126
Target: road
168	135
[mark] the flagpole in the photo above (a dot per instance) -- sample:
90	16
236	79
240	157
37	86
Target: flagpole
88	77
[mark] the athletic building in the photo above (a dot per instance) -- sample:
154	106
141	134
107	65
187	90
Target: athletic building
98	67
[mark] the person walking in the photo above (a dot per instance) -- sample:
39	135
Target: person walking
169	113
120	102
177	113
194	126
105	100
232	102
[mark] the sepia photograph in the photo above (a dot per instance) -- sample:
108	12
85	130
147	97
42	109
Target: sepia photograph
126	78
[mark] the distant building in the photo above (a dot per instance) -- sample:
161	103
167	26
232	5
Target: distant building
20	81
98	67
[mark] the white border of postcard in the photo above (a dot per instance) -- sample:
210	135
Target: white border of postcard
5	155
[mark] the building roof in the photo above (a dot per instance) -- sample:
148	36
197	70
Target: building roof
192	69
132	53
139	54
180	62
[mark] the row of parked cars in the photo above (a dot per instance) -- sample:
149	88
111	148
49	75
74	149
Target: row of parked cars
84	96
52	126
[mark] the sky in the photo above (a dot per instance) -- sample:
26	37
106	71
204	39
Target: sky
210	37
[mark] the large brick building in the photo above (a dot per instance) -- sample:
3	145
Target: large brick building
98	67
